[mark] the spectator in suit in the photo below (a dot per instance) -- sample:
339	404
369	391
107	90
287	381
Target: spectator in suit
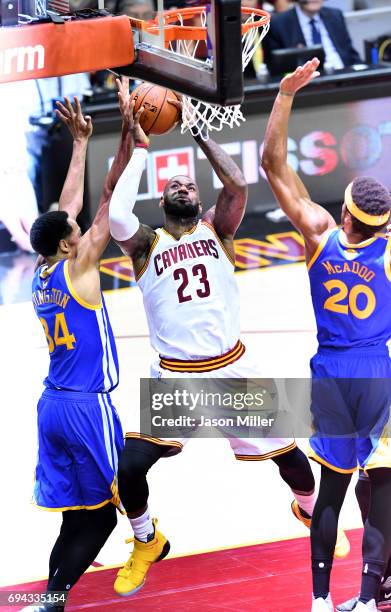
309	23
253	67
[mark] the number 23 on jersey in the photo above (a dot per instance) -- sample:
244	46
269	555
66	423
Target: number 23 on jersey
199	272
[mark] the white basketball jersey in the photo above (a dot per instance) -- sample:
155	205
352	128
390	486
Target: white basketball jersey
190	295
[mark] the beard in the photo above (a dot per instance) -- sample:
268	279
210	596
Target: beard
180	208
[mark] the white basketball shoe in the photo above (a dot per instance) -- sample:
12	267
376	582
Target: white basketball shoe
322	605
368	607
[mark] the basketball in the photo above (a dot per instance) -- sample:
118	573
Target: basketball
159	116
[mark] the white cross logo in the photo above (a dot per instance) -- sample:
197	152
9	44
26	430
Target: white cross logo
169	163
173	168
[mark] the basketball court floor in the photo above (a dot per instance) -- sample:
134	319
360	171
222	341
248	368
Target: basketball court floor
235	543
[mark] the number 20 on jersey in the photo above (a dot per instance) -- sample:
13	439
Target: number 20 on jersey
344	300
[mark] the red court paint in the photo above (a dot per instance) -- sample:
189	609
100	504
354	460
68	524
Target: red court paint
271	577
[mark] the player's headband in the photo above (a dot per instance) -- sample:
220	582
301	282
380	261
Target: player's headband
359	214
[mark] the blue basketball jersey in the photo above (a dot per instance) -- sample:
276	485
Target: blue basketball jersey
351	291
83	355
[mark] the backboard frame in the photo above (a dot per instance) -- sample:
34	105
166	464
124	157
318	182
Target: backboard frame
221	84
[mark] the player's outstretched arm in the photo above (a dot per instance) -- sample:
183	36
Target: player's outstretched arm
309	218
228	213
95	240
80	127
133	238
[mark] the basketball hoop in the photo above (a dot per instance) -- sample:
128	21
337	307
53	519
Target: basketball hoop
184	39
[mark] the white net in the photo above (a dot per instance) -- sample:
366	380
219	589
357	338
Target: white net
202	117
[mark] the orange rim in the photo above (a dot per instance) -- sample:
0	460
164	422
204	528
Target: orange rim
174	31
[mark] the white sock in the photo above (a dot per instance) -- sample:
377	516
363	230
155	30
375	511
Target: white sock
306	502
142	526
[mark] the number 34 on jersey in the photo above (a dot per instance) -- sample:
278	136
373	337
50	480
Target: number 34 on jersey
60	335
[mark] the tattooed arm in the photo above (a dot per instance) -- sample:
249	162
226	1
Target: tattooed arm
231	202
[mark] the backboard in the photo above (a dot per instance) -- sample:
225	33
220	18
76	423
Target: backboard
198	51
218	80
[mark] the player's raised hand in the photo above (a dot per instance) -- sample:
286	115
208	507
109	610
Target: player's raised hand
80	126
123	97
291	83
135	128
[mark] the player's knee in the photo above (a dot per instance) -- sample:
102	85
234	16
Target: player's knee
132	465
295	470
137	458
380	476
294	459
130	469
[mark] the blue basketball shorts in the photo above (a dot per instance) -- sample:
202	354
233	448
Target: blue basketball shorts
350	406
79	441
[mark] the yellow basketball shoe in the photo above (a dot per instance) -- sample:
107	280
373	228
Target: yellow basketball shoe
131	577
342	546
300	517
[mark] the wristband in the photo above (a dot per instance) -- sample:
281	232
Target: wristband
283	93
141	145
